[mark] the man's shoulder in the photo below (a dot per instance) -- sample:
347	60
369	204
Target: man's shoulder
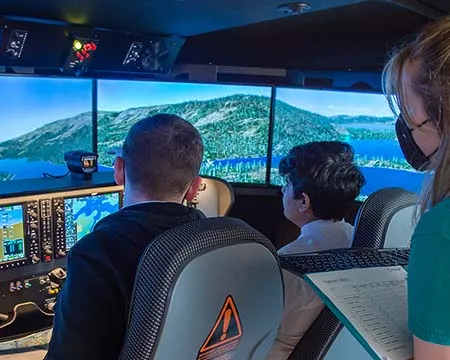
93	243
132	229
106	235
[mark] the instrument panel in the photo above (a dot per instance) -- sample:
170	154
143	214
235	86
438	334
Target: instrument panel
37	232
42	228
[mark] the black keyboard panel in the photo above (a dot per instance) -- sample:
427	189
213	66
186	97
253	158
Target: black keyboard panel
343	259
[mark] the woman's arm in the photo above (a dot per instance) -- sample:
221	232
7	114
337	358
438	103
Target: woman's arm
424	350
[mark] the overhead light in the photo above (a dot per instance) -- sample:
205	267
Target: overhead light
80	54
294	8
15	45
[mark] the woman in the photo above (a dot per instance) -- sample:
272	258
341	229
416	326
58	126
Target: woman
417	81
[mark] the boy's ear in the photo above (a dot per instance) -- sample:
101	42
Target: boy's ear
304	203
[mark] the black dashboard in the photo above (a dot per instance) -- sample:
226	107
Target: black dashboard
37	230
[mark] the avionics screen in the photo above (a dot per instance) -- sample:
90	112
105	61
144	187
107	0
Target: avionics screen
12	244
82	213
41	118
365	121
233	121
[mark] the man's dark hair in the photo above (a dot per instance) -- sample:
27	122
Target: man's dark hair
162	155
325	171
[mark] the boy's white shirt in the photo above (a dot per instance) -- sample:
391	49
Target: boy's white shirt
301	304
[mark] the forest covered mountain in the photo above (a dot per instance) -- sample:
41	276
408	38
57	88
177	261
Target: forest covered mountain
360	119
50	141
232	127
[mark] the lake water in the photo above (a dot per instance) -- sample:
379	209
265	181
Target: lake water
376	178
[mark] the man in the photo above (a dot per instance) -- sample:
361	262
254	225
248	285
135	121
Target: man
159	168
321	185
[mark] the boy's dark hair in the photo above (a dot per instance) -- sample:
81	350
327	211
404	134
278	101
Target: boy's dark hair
325	171
162	155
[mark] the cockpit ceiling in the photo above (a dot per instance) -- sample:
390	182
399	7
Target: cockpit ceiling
333	35
167	17
440	5
356	37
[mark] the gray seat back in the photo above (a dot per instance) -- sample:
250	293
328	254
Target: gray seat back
384	220
208	289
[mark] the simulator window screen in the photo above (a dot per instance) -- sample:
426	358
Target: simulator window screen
365	121
233	121
82	213
11	233
41	119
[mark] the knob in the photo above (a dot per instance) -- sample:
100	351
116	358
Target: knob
35	259
51	305
48	251
58	273
61	253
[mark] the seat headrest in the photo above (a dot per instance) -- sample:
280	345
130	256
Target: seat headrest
215	197
385	219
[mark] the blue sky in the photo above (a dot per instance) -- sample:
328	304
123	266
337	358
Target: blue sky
121	95
330	103
27	103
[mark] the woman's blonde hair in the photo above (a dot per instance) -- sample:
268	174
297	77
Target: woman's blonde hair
429	53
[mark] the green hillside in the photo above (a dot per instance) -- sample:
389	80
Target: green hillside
50	141
360	119
231	127
366	134
294	126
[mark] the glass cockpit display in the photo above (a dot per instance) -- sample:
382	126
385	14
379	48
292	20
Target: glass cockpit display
82	213
12	242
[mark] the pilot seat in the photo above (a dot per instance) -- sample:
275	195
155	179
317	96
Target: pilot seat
384	220
200	292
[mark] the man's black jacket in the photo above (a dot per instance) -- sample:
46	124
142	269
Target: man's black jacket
92	309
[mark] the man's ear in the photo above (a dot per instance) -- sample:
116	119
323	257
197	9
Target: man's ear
119	171
304	203
193	188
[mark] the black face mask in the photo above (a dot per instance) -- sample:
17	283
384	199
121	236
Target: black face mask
413	154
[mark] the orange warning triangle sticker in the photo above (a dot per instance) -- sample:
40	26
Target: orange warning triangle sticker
226	328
